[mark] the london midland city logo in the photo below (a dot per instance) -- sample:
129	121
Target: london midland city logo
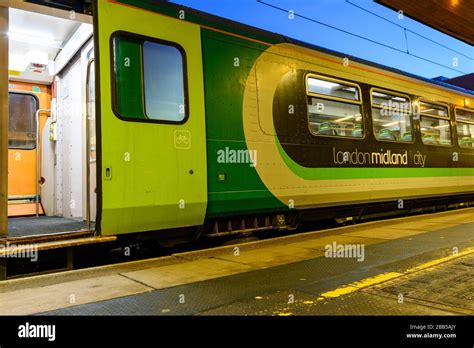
387	157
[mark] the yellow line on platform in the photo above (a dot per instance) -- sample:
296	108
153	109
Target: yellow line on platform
364	283
441	260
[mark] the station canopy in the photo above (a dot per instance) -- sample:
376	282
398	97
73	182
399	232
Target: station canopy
81	6
452	17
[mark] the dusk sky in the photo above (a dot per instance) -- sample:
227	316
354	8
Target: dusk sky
343	15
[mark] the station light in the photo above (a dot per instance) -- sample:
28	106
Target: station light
34	39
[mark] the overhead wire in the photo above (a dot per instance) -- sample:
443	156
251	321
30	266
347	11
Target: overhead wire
359	36
409	30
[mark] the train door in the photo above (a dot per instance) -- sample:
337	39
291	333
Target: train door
152	147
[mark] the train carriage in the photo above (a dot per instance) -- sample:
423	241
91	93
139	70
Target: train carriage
206	126
251	114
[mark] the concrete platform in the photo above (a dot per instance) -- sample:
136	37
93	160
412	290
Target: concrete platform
422	265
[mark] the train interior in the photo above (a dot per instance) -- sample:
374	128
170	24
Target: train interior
51	155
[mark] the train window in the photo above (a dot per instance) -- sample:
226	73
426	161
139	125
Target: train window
435	131
22	121
390	101
464	115
465	133
329	87
149	79
391	117
164	82
392	125
334	108
128	77
434	109
465	127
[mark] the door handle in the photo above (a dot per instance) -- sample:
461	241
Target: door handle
108	173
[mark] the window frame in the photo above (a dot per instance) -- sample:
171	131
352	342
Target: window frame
372	105
338	99
144	38
447	118
34	120
428	101
462	122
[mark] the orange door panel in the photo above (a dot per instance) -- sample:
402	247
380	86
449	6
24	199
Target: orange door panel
21	172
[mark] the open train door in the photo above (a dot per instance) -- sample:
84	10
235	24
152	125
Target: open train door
150	119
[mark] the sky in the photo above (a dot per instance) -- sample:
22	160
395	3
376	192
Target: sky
343	15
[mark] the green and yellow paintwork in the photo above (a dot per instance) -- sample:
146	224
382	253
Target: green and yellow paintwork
151	186
231	107
243	191
312	187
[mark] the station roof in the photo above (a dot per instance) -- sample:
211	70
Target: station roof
464	81
81	6
452	17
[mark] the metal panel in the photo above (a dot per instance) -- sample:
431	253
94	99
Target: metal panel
69	186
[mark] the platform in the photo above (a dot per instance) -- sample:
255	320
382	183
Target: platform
420	265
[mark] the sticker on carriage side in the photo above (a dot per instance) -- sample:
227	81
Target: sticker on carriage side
182	139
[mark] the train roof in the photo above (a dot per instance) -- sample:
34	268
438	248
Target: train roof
251	31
